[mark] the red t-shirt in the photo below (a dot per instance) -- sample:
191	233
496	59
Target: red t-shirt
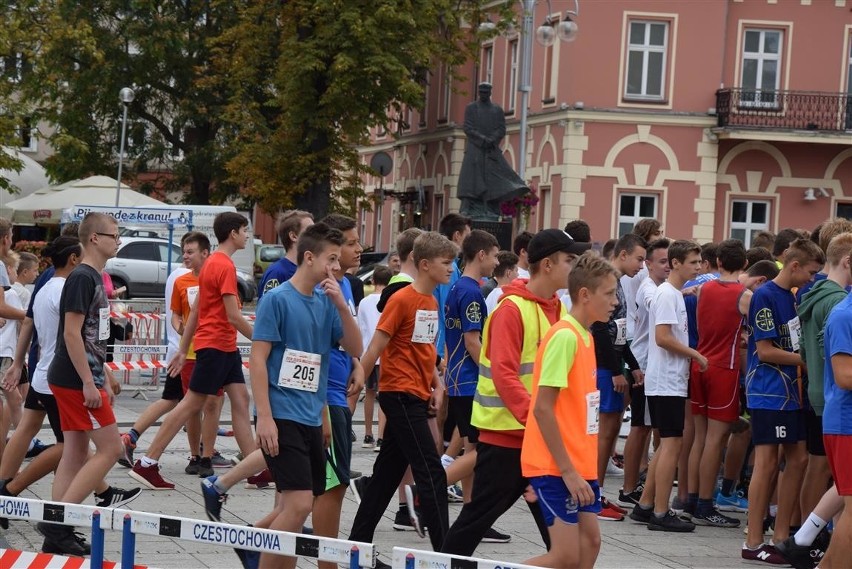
720	323
218	277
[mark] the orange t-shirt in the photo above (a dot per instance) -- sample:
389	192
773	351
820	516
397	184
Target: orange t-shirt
408	362
565	360
184	293
218	277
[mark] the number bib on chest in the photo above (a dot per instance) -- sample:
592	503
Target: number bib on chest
795	328
425	327
103	324
593	407
621	331
191	295
300	370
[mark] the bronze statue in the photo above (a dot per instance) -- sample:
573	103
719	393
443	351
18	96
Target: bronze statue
486	179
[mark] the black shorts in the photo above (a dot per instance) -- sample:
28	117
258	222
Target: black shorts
770	427
25	375
668	414
640	415
36	401
172	390
300	463
815	443
372	382
215	369
341	431
460	408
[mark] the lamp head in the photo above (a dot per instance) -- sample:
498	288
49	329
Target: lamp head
126	95
567	29
545	35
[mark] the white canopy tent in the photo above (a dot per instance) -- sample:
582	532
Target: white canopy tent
45	206
30	178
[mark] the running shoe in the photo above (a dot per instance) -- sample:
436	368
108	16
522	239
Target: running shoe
733	503
355	474
237	458
402	521
4	522
205	467
631	498
714	518
61	540
799	556
618	460
250	559
765	553
369	442
610	514
494	536
149	476
192	467
678	505
223	432
219	461
359	487
115	497
260	481
378	446
213	500
353	436
128	446
37	448
413	504
607	504
612	469
641	515
670	522
455	493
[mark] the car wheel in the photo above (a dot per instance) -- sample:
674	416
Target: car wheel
118	282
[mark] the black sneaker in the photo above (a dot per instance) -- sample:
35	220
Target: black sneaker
59	539
205	467
670	522
359	487
413	505
250	559
116	497
641	515
494	536
38	448
714	518
402	521
192	467
4	522
631	498
799	556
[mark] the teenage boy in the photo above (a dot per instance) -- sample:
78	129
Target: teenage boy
211	329
612	353
501	405
635	448
506	272
559	453
409	387
715	393
454	227
837	419
77	376
666	385
774	397
465	315
7	312
300	324
520	247
290	226
814	310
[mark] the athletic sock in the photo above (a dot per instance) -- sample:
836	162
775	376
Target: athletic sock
773	510
105	493
134	435
148	462
728	486
646	508
704	506
220	488
446	461
32	444
810	530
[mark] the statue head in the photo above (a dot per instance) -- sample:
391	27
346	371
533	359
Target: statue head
485	92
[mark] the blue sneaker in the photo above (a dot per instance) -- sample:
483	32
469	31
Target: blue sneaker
249	559
733	503
213	500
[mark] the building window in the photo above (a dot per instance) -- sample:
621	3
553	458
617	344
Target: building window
446	94
632	208
551	68
13	66
848	123
646	61
761	76
844	210
513	77
748	218
487	72
545	208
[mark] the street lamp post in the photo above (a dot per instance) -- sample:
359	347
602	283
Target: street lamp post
126	96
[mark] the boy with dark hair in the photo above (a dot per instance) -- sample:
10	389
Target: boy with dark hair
774	397
764	239
649	229
666	386
519	248
579	230
506	272
409	387
290	226
715	393
559	453
211	328
782	241
299	325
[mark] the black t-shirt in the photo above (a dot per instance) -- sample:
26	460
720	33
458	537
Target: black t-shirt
83	293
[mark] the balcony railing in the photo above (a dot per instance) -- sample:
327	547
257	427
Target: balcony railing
784	110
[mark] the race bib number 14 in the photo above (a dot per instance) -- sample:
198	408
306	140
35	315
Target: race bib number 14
425	327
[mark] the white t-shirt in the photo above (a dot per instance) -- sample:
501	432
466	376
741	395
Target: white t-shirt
9	332
24	293
642	332
171	333
667	373
46	322
368	318
493	298
4	278
523	273
630	287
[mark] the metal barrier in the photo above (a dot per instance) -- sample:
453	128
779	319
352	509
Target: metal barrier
405	558
147	316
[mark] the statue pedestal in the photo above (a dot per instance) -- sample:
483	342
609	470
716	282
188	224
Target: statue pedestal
502	230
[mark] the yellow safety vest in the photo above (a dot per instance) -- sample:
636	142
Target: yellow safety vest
489	411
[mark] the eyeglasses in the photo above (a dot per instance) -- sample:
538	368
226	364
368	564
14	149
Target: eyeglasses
115	236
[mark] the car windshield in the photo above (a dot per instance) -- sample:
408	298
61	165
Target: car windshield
268	254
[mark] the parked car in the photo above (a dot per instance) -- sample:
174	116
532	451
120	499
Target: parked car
265	255
141	265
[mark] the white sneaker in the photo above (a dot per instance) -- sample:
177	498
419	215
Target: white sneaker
613	470
446	461
455	493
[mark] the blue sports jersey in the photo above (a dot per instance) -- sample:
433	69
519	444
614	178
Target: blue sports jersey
837	415
441	293
770	316
288	319
691	302
278	272
340	365
464	312
808	286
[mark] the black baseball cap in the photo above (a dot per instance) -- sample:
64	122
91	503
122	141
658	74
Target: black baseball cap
549	241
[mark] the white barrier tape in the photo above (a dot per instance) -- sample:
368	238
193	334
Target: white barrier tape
144	365
245	350
56	512
138	315
432	560
245	537
29	559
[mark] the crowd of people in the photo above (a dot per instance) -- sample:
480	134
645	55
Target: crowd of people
499	375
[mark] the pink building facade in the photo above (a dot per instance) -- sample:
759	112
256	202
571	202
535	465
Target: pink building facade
719	118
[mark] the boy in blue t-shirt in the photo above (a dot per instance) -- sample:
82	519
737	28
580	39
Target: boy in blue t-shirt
298	325
464	319
290	226
774	396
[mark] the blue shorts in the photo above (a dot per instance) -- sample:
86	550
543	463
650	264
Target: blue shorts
611	401
556	502
770	427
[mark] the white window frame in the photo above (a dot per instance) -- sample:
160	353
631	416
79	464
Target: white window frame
647	49
632	219
447	85
512	95
761	58
487	72
748	226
